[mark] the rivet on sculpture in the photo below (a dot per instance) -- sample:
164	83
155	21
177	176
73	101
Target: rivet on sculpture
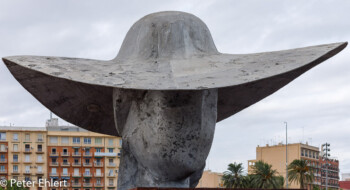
163	93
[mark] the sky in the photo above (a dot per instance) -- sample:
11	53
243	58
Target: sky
315	105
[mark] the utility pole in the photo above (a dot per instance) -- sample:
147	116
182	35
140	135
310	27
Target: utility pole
286	154
325	148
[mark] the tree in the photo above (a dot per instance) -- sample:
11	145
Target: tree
264	177
233	178
300	172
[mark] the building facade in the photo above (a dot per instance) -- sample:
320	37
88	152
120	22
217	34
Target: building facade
276	156
211	180
85	160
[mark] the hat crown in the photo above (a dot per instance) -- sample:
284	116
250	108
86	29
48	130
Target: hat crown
167	35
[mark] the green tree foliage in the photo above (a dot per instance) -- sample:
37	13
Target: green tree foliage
264	177
300	172
233	178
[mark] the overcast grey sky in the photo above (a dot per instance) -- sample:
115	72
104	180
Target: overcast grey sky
316	105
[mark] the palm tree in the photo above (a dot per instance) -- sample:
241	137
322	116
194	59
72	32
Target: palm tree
264	177
300	172
233	178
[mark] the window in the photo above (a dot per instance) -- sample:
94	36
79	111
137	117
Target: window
15	168
15	178
76	140
110	172
26	178
87	161
15	147
40	137
53	150
65	151
110	160
76	171
110	181
39	158
40	169
53	140
54	170
27	147
65	171
2	158
65	140
3	147
40	148
110	150
27	158
120	142
27	137
2	168
98	181
76	160
98	140
110	142
87	171
3	136
15	137
98	172
98	149
87	140
27	169
15	158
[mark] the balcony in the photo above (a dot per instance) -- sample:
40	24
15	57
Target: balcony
87	164
3	160
76	164
15	150
3	150
111	175
15	172
27	172
98	175
39	172
111	185
4	171
40	140
65	174
76	154
53	163
76	184
65	163
64	153
39	151
98	164
54	154
27	161
112	164
76	175
87	154
98	185
27	151
87	174
87	184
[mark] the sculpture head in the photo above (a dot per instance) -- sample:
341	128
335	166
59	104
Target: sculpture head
167	35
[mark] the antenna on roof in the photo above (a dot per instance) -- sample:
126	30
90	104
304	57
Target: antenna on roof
50	114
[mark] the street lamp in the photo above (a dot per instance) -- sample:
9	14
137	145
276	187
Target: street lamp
326	149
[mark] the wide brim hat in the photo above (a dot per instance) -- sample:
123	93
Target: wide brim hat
162	51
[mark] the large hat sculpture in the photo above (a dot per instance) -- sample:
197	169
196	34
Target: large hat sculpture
163	93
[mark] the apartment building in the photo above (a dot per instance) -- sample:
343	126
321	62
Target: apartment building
211	179
86	160
276	156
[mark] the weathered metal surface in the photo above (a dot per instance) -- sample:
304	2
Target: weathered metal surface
163	93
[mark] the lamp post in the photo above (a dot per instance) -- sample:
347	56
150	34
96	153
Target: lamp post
286	154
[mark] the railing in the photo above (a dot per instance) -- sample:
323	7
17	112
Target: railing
64	174
65	163
87	154
39	172
87	164
87	184
53	154
27	150
15	150
98	185
76	184
53	163
76	154
64	153
3	160
111	175
27	161
15	171
3	171
112	164
98	175
53	174
87	174
111	184
3	150
76	164
39	151
98	164
76	174
27	172
40	140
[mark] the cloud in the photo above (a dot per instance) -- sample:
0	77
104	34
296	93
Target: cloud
316	105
